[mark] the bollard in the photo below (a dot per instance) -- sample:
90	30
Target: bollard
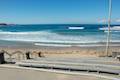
27	55
2	59
39	54
118	57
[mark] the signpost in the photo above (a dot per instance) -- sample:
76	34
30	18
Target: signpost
109	22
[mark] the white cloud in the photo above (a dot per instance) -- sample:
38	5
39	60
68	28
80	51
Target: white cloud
117	20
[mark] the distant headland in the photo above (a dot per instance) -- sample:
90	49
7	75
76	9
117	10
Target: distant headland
5	24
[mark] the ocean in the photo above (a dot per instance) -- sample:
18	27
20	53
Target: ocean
61	35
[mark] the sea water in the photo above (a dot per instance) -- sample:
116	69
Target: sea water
59	34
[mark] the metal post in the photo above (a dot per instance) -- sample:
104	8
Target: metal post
10	56
2	59
109	22
27	55
39	54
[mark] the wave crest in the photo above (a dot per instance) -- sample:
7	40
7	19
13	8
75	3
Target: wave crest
50	37
114	28
75	28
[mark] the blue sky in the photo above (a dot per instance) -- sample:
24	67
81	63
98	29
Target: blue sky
57	11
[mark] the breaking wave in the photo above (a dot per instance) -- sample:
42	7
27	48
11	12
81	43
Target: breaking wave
75	28
114	28
47	36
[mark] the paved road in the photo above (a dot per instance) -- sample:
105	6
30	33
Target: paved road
8	73
103	65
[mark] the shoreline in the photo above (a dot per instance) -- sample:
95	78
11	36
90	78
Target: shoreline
47	44
53	51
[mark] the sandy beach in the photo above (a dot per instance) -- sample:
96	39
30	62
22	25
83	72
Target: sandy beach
65	52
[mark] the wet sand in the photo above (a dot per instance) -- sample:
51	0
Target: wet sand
69	52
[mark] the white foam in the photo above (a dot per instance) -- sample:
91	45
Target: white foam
112	31
76	28
45	36
49	37
55	45
116	28
68	45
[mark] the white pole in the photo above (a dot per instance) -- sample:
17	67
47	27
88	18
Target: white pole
109	22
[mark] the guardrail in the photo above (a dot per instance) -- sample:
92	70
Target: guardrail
99	68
